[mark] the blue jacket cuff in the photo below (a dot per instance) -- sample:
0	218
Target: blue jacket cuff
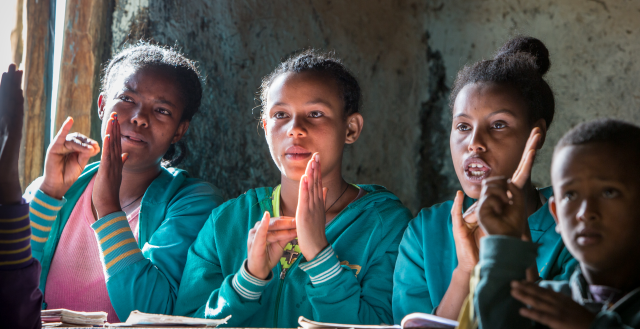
324	267
247	285
118	246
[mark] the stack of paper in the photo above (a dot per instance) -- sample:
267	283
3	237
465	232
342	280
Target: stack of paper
139	319
62	316
413	320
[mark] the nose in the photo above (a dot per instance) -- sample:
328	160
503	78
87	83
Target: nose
297	127
476	143
140	117
588	210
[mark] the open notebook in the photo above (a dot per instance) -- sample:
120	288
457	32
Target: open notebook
138	319
413	320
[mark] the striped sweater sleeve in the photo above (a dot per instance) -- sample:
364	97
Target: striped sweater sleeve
118	246
43	210
15	232
247	285
323	268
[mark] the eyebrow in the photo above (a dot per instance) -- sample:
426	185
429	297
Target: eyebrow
490	115
160	100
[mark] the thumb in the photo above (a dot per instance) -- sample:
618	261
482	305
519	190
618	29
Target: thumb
324	195
125	156
456	210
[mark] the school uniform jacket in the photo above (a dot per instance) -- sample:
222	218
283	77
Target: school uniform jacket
143	276
427	256
350	281
504	259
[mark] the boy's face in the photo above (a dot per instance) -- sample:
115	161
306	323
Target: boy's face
304	114
596	200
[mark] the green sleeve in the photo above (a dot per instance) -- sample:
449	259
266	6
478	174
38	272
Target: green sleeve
150	284
208	293
410	290
43	211
336	295
502	260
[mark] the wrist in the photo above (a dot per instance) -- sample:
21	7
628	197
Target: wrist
462	273
315	249
256	272
46	188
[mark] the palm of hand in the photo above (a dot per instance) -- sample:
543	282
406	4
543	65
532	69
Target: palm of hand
310	213
467	250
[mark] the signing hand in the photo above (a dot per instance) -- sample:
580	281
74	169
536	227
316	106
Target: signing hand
266	243
464	237
106	189
11	118
523	172
67	156
555	310
498	212
310	215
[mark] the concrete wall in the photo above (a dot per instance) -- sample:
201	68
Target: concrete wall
405	55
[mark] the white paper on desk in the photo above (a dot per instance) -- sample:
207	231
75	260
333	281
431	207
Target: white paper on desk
309	324
137	318
424	320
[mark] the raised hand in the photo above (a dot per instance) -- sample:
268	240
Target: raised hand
464	237
501	208
310	214
11	119
266	243
523	172
106	189
67	156
555	310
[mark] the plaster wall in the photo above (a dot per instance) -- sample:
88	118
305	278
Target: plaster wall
405	54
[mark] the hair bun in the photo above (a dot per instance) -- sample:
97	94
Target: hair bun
528	45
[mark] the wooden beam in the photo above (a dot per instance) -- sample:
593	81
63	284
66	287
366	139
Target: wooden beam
38	40
86	42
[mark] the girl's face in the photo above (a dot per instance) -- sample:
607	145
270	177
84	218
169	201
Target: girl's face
149	108
304	114
488	135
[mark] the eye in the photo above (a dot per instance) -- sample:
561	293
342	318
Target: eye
125	98
610	193
569	196
463	127
316	114
499	125
280	115
163	111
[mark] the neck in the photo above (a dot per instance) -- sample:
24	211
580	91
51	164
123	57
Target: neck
335	185
135	183
624	278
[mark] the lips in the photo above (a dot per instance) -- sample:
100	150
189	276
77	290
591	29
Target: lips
476	169
588	237
297	152
133	138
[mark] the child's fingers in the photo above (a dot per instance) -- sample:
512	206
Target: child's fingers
538	316
517	198
281	235
260	239
125	156
61	136
319	188
12	68
456	210
324	196
539	298
282	223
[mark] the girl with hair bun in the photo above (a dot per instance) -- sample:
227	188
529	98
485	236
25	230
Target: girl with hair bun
501	109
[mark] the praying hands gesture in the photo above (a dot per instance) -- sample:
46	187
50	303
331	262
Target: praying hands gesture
106	189
554	310
310	214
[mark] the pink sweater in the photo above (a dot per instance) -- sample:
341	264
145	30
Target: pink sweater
76	281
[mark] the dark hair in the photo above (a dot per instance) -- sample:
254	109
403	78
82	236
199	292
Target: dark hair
184	71
311	60
607	131
521	62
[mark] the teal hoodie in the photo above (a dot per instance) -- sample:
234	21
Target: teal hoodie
427	256
350	281
145	276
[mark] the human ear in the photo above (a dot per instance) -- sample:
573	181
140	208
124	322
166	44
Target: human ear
554	212
542	124
264	126
355	122
182	129
101	103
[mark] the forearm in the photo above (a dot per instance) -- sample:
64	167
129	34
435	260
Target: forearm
336	295
453	299
43	210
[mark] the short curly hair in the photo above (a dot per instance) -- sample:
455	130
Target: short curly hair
613	132
521	62
184	71
311	60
